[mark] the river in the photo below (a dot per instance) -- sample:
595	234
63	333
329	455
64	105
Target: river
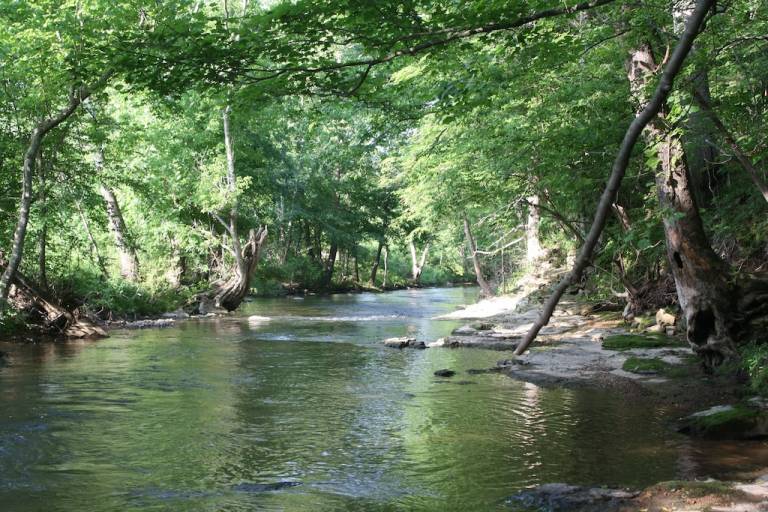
309	412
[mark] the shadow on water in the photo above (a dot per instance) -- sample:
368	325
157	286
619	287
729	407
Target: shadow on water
307	411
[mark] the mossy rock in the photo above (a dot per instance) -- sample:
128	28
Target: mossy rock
643	322
644	366
740	421
654	366
482	326
622	342
697	488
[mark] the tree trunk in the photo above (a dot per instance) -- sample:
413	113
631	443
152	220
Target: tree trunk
485	288
329	266
231	294
356	266
43	240
386	268
76	97
533	249
129	262
693	27
698	135
701	277
175	273
417	265
53	318
375	268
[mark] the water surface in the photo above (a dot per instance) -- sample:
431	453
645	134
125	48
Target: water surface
309	412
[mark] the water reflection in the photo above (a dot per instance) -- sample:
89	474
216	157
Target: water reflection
307	411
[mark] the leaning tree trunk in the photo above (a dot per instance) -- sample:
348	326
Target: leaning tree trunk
129	261
701	277
53	319
375	268
694	25
417	264
76	97
485	288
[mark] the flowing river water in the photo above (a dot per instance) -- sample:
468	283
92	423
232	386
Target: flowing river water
309	412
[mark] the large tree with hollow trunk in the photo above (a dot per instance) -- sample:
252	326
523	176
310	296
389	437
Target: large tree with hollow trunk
719	309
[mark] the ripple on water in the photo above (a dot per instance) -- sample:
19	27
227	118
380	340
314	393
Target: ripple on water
218	415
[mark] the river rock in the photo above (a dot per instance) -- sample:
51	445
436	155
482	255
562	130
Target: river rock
464	330
740	421
558	496
145	324
664	319
274	486
445	372
482	326
487	342
404	342
179	313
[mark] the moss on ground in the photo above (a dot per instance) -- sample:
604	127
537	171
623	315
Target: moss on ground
645	365
737	414
622	342
697	489
653	365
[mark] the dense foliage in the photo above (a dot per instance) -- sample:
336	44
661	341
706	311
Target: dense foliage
363	132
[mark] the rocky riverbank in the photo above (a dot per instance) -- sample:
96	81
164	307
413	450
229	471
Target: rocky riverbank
673	496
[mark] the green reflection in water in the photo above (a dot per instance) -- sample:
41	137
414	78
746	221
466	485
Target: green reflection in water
224	414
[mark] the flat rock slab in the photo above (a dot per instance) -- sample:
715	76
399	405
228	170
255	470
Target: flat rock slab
562	497
739	421
143	324
485	342
404	342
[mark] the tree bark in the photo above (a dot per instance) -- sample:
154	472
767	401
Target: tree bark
231	294
634	131
386	268
127	258
356	266
533	249
698	135
43	241
485	288
417	264
375	268
701	277
76	97
330	265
